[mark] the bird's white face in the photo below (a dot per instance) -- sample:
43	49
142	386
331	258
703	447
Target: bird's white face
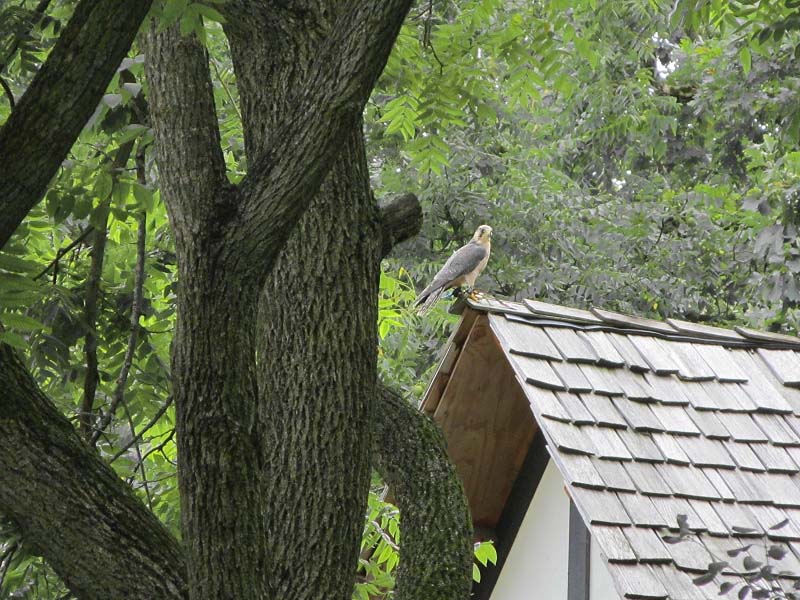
483	234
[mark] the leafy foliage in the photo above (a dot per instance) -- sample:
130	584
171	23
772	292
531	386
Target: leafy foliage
485	553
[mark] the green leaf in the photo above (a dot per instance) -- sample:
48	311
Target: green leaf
20	322
485	552
192	23
14	264
173	10
103	185
144	197
14	339
209	13
131	132
745	59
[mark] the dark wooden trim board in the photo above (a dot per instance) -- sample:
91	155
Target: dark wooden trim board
579	546
510	520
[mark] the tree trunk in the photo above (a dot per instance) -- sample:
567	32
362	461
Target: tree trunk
219	452
317	377
269	469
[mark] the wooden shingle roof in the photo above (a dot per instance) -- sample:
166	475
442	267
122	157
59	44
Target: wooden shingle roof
647	420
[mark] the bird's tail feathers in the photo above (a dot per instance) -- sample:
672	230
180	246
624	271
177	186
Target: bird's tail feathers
425	303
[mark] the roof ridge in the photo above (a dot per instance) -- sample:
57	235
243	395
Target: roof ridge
673	328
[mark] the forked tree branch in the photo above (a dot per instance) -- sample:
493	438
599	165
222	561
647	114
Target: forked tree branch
62	96
279	188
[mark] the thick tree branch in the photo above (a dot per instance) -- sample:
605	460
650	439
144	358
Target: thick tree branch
50	115
184	118
71	507
401	219
278	187
436	547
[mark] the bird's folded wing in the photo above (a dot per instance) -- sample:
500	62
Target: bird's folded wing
464	261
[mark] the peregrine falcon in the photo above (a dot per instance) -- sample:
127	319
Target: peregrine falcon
463	267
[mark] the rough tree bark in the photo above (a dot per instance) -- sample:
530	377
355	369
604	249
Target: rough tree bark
60	99
42	458
317	380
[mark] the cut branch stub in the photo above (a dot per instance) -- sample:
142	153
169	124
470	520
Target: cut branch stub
401	219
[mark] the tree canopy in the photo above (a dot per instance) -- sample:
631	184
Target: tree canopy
640	156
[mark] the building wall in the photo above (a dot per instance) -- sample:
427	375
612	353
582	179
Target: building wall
537	565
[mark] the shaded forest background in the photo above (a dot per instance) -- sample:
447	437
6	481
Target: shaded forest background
640	156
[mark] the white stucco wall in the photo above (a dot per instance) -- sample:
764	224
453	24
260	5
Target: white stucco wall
536	567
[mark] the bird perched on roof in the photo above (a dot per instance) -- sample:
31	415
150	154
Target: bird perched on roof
462	268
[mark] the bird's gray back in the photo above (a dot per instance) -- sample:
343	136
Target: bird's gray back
464	260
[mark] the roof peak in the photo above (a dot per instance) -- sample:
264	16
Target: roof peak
598	318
